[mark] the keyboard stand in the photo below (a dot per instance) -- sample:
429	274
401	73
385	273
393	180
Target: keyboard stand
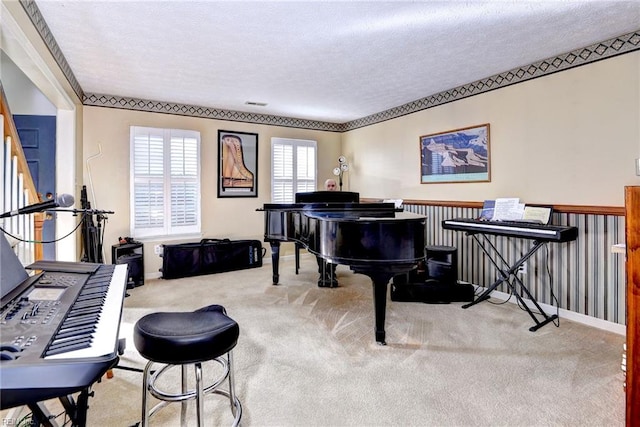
75	410
506	274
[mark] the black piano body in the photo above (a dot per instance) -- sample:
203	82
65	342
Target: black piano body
374	239
322	197
59	334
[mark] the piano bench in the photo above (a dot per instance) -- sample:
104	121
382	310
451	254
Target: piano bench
182	339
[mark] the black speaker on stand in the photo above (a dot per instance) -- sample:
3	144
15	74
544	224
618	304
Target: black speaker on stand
131	254
442	263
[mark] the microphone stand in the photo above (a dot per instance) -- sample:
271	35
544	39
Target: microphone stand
83	211
92	235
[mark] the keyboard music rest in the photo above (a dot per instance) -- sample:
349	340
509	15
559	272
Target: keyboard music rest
539	233
30	376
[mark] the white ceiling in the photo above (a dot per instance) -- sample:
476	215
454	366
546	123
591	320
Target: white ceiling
321	60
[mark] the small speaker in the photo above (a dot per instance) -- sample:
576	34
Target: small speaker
132	254
135	270
442	263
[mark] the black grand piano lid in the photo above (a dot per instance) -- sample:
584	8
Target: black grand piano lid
362	215
328	197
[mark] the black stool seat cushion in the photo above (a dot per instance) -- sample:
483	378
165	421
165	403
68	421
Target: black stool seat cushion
186	337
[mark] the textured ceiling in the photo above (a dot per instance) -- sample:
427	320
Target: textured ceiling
318	60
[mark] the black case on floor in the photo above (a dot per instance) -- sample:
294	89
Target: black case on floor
210	256
432	291
435	281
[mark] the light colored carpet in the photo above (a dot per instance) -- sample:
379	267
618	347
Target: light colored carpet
307	357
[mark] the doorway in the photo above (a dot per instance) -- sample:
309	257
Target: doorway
38	139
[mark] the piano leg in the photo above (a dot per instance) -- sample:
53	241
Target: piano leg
275	260
380	284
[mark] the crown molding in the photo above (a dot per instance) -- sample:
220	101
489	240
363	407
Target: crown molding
43	30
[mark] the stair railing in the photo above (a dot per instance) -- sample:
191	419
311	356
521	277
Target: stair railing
17	190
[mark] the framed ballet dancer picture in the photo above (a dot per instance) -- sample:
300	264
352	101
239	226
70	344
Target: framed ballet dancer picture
460	155
238	164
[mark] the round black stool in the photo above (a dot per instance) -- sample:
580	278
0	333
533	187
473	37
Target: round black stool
182	339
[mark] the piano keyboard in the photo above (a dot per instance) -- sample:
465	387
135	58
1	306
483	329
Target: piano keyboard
89	330
509	227
524	230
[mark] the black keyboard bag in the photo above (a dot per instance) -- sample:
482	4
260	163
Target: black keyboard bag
210	256
432	291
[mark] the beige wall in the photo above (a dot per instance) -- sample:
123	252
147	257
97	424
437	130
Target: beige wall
568	138
221	218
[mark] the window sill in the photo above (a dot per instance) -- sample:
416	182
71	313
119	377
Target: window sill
170	238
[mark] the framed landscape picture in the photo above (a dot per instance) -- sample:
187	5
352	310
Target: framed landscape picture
460	155
238	164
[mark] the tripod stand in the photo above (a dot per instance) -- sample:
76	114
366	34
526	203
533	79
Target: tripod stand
92	230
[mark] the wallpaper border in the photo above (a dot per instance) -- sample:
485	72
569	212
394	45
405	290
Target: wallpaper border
596	52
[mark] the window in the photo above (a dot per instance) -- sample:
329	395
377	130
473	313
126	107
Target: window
165	182
293	168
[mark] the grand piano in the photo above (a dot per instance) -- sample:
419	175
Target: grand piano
59	332
374	239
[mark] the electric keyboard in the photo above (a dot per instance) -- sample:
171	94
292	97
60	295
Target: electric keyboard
525	230
540	234
59	331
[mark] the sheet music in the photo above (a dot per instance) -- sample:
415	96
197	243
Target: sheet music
487	210
507	209
534	213
396	202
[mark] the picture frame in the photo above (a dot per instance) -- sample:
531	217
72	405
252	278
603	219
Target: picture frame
237	164
459	155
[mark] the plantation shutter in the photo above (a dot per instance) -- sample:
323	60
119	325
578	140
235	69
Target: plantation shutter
293	168
165	182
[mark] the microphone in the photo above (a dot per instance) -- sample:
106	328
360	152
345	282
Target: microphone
63	200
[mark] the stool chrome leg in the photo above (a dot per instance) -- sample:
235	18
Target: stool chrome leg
149	386
236	406
145	387
199	393
232	391
184	403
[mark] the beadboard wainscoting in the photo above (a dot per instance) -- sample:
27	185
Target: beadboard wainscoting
583	276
